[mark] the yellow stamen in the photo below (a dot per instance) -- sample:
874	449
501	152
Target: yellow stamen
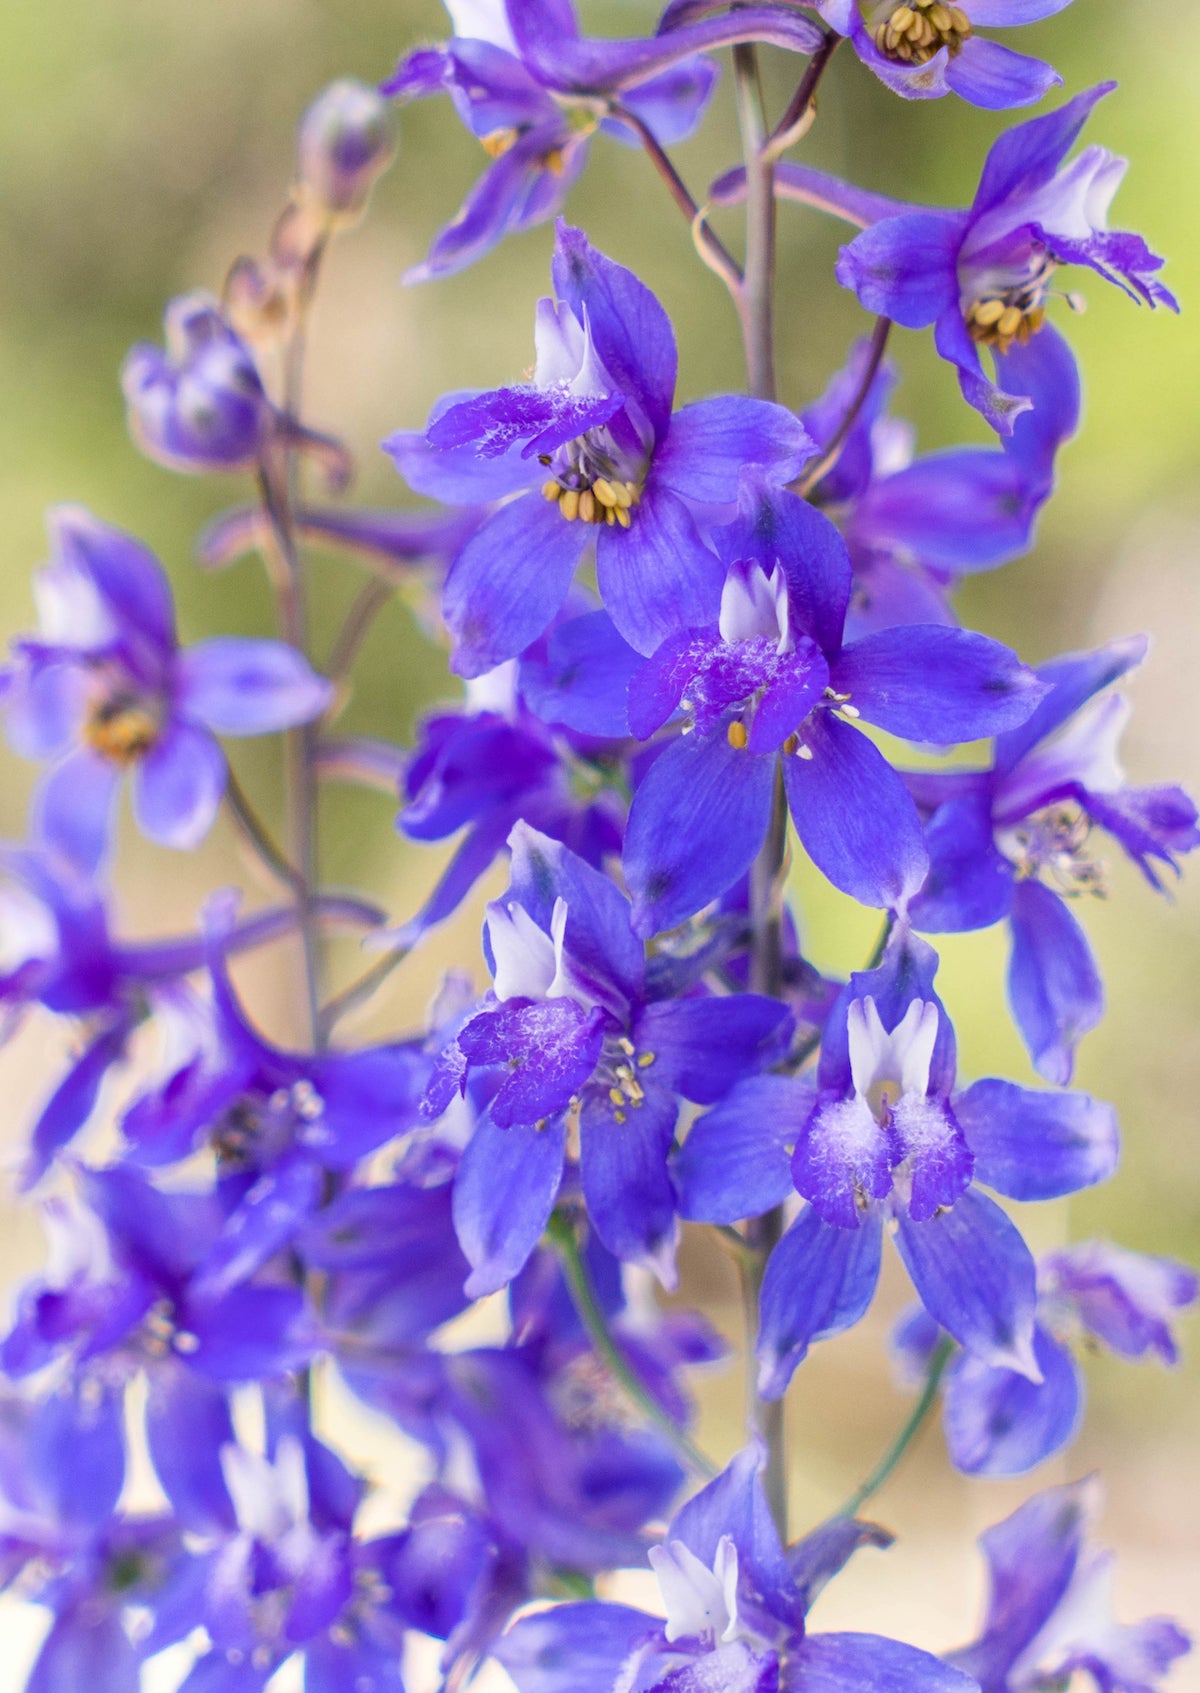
736	734
551	491
622	517
604	491
587	506
498	142
569	504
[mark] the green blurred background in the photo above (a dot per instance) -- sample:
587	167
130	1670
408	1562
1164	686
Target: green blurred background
145	145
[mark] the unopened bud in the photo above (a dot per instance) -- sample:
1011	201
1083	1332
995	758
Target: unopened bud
345	141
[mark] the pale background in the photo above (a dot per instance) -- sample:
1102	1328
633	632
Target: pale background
144	145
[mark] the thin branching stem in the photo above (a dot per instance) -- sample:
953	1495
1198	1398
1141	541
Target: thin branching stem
868	1488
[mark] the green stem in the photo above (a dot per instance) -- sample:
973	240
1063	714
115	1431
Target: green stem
756	296
256	835
920	1411
833	451
562	1236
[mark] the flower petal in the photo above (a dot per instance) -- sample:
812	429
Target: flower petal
702	1047
976	1277
736	1160
819	1280
623	1164
508	582
178	787
929	683
1054	987
1037	1145
854	815
657	576
999	1423
844	1663
997	79
712	441
696	822
74	810
906	268
504	1193
238	686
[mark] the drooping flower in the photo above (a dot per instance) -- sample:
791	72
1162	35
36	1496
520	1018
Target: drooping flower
884	1138
771	682
573	1031
927	48
1050	1606
534	92
983	276
104	687
593	451
1014	843
915	527
1000	1423
734	1604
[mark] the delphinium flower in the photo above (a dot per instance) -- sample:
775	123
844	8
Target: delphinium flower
534	93
915	527
116	1586
572	1033
885	1138
594	452
496	761
1097	1295
1050	1606
201	406
1014	844
983	276
734	1603
928	48
769	679
104	688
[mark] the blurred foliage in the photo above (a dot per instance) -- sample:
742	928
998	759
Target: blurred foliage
146	145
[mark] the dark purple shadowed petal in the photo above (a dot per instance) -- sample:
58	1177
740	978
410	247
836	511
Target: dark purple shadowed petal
970	883
1024	157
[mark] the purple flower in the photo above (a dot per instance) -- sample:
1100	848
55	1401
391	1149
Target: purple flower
572	1030
345	141
534	92
999	1422
927	48
202	407
593	451
105	687
885	1138
982	276
1014	843
495	763
1050	1607
771	676
734	1604
915	527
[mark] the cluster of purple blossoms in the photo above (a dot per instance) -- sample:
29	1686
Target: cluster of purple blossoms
695	637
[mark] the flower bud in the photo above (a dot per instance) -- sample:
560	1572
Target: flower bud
345	141
200	406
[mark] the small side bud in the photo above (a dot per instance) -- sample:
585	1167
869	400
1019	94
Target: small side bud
346	140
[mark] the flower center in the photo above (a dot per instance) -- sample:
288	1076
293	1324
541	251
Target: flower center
589	483
1004	311
1051	846
123	727
620	1066
918	29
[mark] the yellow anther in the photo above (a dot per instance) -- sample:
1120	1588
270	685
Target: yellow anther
610	515
626	1046
620	1116
569	504
851	711
987	312
552	491
902	17
122	729
736	734
940	18
1009	321
587	506
960	20
645	1059
623	495
604	491
617	1097
498	142
622	517
791	744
